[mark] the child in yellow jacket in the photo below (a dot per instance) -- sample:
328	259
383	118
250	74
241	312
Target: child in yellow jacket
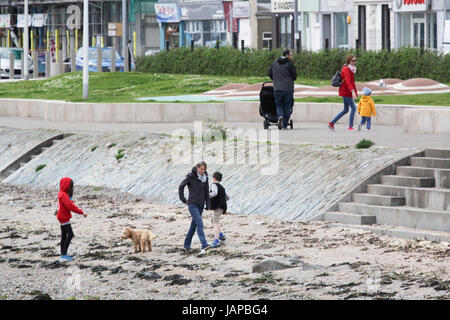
366	107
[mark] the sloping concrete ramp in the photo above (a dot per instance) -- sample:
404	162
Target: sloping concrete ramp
414	194
27	156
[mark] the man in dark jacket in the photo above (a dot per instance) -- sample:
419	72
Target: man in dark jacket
197	182
283	74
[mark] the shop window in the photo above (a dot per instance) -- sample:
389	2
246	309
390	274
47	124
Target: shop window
432	31
206	26
405	38
341	30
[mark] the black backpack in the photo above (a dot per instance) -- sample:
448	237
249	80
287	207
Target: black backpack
336	80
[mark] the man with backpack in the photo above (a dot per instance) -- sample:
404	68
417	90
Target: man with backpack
283	74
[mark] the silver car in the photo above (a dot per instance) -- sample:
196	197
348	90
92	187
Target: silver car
4	62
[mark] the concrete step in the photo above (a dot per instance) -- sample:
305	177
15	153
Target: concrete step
438	220
403	232
441	176
408	181
427	198
437	153
438	163
408	171
380	200
349	218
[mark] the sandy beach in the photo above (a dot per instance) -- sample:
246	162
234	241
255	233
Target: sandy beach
317	260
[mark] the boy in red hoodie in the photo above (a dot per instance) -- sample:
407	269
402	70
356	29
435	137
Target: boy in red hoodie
63	215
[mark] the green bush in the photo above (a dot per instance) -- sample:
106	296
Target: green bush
403	63
40	167
364	144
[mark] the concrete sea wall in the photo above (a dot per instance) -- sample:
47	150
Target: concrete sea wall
415	119
308	179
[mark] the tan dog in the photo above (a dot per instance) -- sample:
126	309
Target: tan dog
139	237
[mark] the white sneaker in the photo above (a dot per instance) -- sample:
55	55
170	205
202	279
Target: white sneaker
202	252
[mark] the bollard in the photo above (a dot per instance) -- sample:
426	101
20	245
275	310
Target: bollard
99	59
61	63
242	46
22	60
11	65
126	67
72	53
167	45
35	65
192	45
113	55
47	64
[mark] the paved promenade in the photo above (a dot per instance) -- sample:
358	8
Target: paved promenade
303	132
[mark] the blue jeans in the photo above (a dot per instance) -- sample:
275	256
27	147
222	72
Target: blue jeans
284	99
369	121
348	102
196	224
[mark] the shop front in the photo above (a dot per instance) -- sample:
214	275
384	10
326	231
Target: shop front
283	23
170	27
336	23
204	22
419	23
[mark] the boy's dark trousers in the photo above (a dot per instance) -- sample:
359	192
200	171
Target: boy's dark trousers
66	237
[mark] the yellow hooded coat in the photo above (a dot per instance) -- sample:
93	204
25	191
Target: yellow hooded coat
366	107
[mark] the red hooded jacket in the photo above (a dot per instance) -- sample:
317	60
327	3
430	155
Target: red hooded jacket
345	90
65	204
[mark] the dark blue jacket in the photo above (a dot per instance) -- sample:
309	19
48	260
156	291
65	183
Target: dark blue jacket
198	191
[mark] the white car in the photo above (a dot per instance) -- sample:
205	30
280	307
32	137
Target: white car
4	62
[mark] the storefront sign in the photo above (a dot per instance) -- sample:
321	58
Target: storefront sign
232	22
411	5
282	6
241	9
21	20
5	20
167	12
203	11
39	20
115	29
73	17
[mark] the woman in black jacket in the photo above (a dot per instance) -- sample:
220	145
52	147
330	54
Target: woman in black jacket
197	182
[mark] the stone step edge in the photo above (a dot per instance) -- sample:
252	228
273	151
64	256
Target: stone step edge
400	232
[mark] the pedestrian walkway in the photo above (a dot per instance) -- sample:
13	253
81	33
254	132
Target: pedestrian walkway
303	132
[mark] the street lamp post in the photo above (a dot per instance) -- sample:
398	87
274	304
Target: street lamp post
296	36
25	41
85	49
124	36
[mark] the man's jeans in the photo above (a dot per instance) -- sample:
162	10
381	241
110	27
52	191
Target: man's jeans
284	99
348	102
196	224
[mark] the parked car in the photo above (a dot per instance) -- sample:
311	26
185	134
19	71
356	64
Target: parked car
106	59
4	62
151	52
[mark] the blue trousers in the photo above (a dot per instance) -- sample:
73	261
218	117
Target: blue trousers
284	99
196	224
369	121
348	103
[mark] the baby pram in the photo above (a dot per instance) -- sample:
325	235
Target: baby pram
267	106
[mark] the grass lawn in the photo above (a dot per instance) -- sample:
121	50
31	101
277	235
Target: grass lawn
126	87
433	99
